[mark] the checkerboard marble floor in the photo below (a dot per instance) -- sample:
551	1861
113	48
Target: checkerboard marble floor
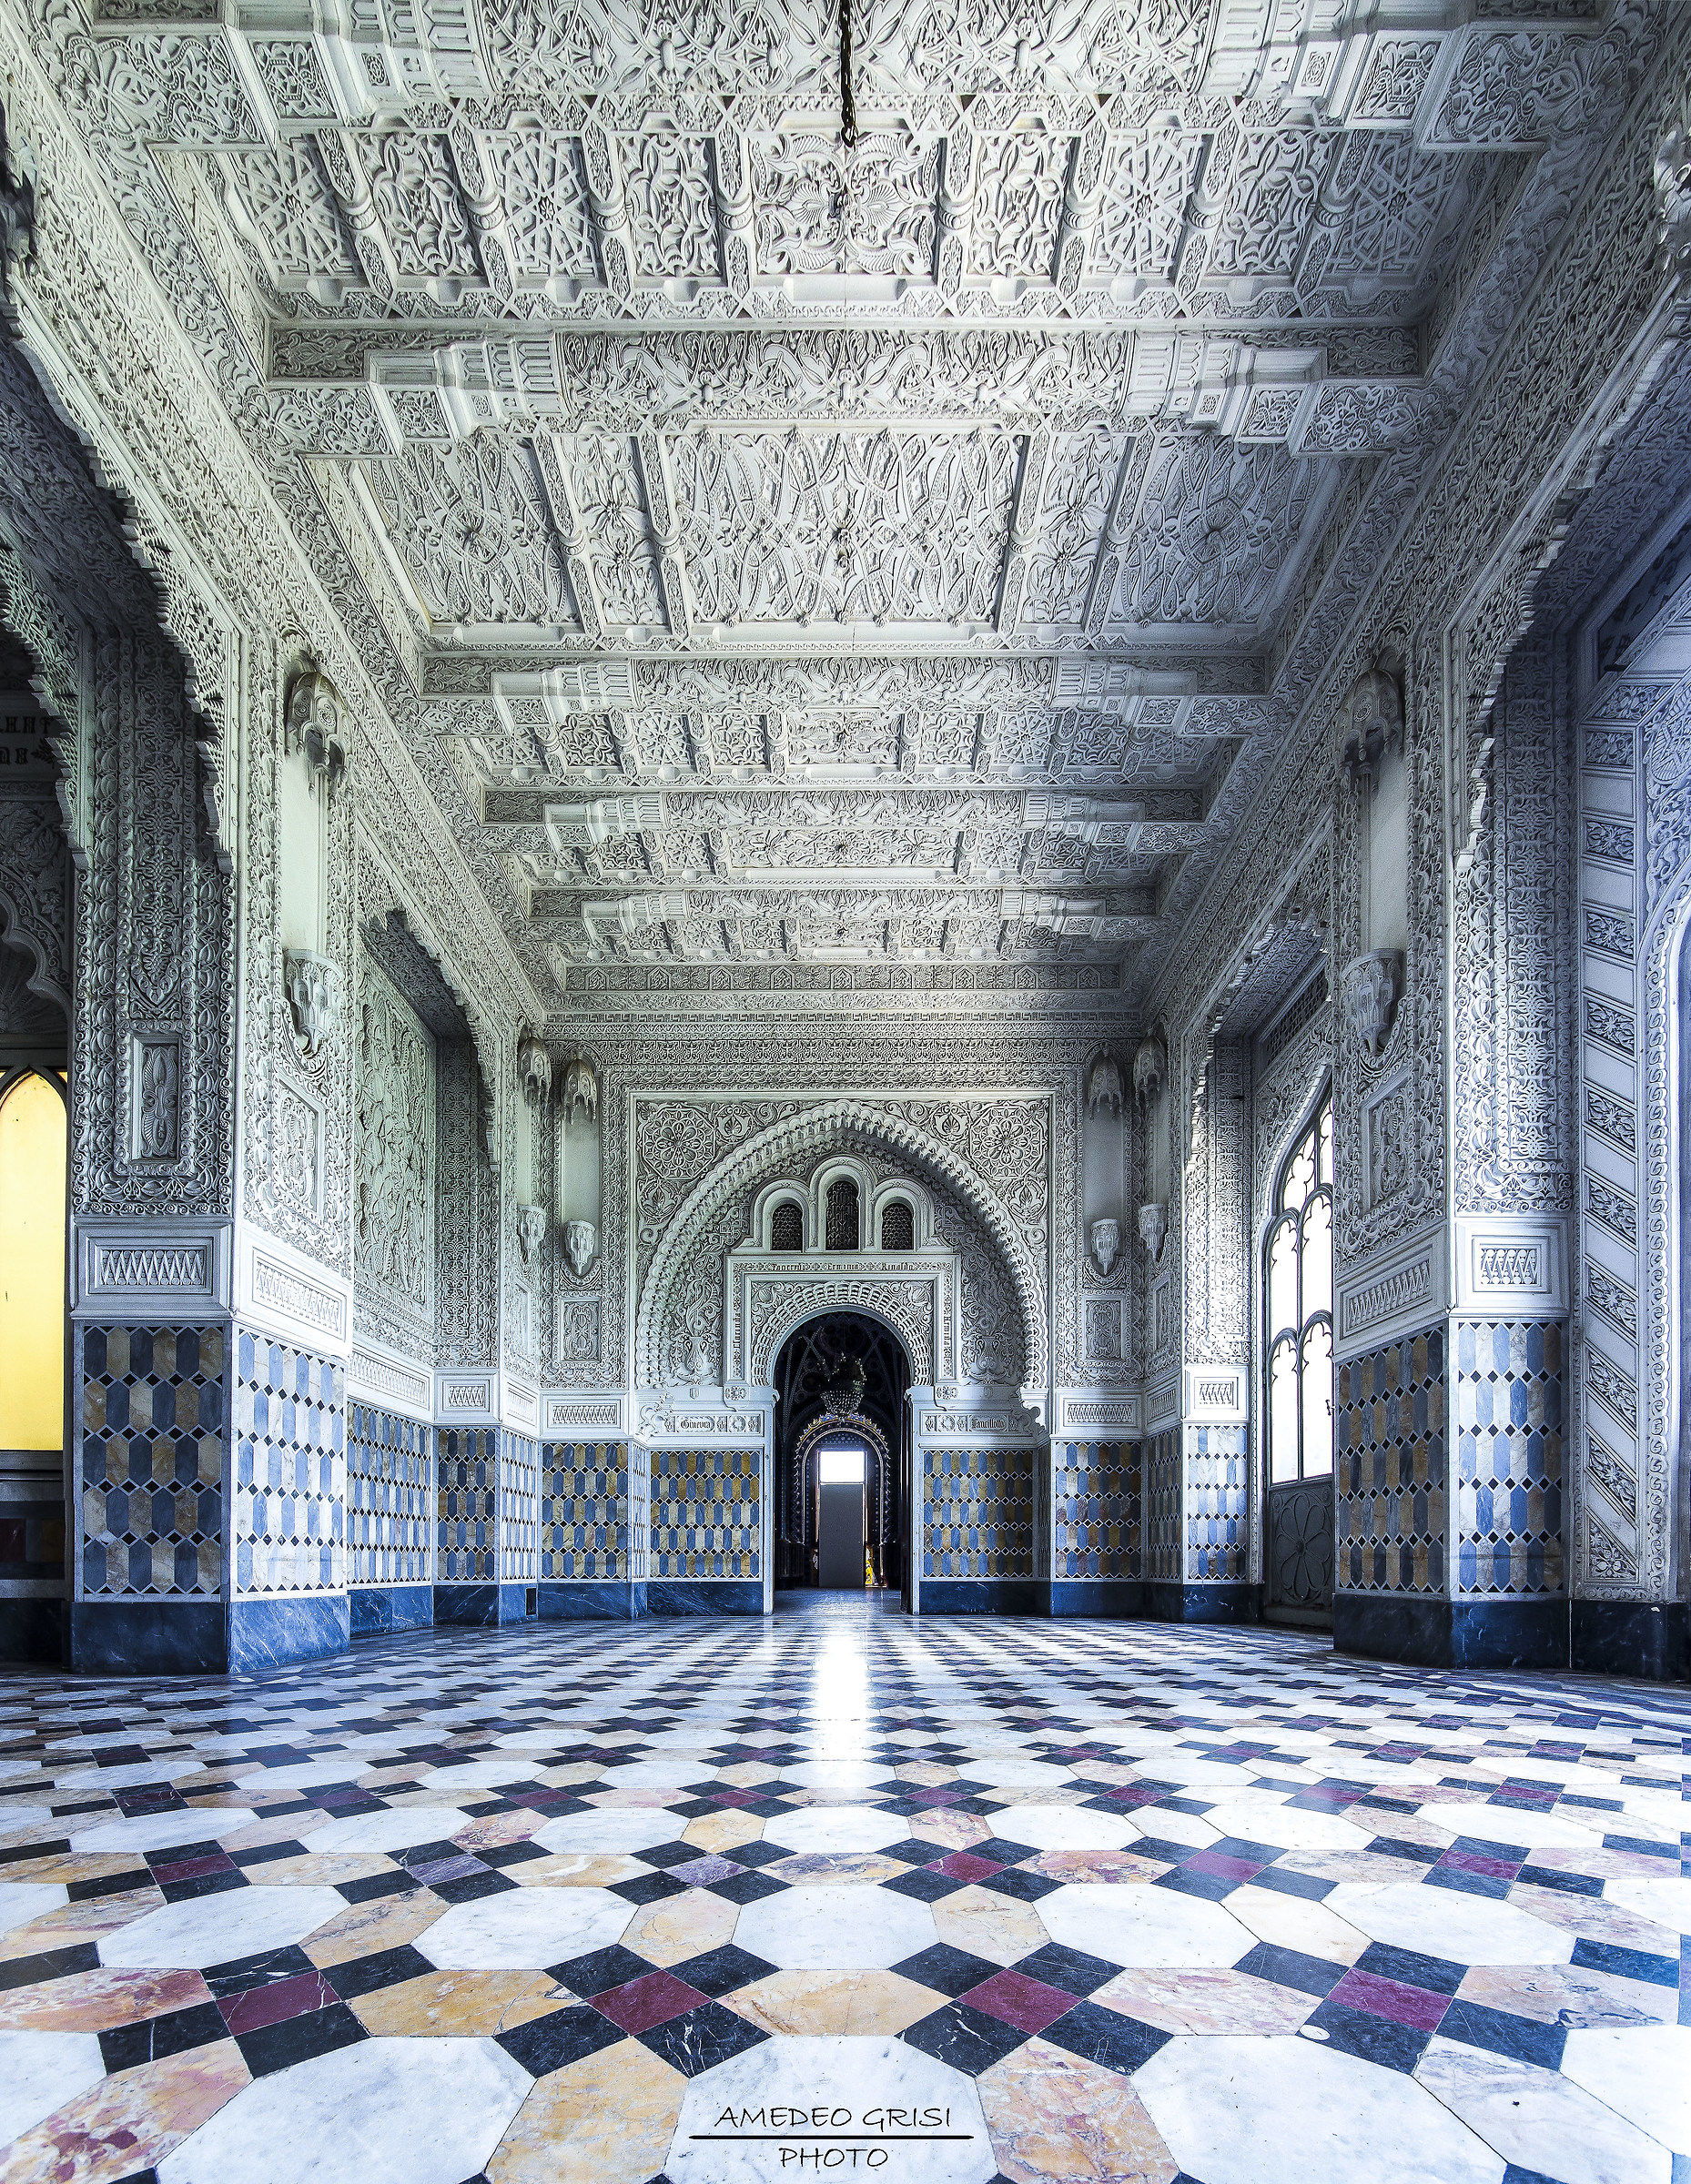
954	1901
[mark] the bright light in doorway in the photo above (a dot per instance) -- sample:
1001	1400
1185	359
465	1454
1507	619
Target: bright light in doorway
842	1467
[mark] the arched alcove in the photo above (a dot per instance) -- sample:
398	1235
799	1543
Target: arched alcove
841	1377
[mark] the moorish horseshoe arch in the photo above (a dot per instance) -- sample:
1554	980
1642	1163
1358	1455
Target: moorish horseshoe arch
809	1299
815	1132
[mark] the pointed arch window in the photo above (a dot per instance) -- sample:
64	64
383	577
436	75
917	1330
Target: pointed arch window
33	1151
1298	1307
842	1227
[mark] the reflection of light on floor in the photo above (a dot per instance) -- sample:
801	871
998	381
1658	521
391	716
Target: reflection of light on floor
839	1695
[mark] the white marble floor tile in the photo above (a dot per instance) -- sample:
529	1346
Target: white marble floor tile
1064	1827
40	2071
1143	1927
1539	2122
1448	1923
627	1828
20	1901
163	1831
1290	2111
836	1828
215	1929
400	1828
525	1929
839	2096
383	2111
828	1927
1643	2073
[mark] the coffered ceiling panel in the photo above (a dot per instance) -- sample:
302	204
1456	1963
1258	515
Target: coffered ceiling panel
798	553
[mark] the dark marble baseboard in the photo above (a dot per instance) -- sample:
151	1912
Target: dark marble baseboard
33	1630
593	1600
983	1596
269	1634
705	1597
1102	1596
1452	1633
484	1607
379	1609
150	1638
1632	1638
1231	1600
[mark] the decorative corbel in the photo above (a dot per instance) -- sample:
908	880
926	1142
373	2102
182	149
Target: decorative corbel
1154	1229
1150	1065
531	1231
1371	725
1104	1086
581	1089
534	1069
314	721
1371	988
313	986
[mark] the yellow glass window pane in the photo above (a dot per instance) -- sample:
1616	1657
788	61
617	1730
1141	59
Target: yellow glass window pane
32	1265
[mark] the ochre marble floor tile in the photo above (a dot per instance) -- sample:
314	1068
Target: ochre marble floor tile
678	1926
607	2119
1096	1866
1055	2118
1564	1994
1293	1922
472	2003
131	2120
386	1922
1207	2001
722	1832
956	1831
96	2001
989	1925
834	2002
583	1869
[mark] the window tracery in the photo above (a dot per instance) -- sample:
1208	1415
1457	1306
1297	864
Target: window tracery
1298	1293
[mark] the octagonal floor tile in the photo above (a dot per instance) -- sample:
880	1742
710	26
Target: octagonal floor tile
1142	1927
835	1927
628	1829
21	1901
400	1828
1448	1923
757	2117
836	1828
164	1831
1642	2072
40	2071
1063	1827
477	1774
217	1929
1290	2111
1011	1772
524	1929
384	2111
1539	2122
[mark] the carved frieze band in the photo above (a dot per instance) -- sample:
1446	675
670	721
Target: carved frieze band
1396	1293
166	1267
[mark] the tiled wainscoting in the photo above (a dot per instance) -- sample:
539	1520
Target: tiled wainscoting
977	1551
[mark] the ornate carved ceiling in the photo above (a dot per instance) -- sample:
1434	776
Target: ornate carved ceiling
814	557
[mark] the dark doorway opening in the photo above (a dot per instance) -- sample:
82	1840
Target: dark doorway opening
843	1457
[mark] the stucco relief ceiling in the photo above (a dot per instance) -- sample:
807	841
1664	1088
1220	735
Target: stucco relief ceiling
842	556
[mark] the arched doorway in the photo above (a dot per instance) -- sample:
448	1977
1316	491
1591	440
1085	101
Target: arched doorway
841	1381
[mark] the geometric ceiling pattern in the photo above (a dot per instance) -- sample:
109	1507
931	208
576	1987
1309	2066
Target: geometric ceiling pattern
806	554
